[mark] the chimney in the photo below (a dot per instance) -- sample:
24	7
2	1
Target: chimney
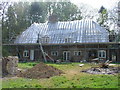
53	18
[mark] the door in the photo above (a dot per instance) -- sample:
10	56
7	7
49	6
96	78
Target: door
31	54
66	55
114	56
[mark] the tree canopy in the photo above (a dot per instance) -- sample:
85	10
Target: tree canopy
18	16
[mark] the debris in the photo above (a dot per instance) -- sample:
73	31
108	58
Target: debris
58	61
96	60
105	64
40	70
97	70
111	64
81	65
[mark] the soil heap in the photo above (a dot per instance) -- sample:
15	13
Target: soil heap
40	70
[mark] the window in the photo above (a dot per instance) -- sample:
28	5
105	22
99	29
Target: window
45	39
102	53
26	53
77	53
68	40
54	53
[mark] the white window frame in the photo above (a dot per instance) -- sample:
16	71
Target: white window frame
26	53
45	39
103	54
54	53
76	53
66	56
68	40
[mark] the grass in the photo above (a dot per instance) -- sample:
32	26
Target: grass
72	78
27	65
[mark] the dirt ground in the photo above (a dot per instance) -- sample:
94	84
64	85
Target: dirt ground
40	70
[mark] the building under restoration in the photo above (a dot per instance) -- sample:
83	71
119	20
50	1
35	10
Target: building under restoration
73	41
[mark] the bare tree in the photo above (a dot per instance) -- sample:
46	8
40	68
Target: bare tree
88	11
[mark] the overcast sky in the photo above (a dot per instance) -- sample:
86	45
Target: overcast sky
97	3
94	3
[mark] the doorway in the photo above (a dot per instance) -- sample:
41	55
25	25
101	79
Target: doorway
31	54
66	55
113	56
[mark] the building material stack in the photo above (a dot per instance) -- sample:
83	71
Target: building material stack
9	65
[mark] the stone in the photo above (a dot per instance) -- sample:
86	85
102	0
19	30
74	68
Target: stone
9	65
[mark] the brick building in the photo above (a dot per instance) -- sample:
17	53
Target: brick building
69	41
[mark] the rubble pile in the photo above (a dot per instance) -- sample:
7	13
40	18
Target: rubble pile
98	70
40	70
9	65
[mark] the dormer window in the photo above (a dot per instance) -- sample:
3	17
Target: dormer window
68	40
44	39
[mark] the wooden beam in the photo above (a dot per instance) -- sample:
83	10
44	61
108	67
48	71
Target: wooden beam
63	43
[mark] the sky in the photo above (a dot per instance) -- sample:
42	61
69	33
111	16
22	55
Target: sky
97	3
94	3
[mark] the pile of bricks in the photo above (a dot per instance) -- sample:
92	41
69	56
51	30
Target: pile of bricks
9	65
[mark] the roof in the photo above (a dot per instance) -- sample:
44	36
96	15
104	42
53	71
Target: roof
80	31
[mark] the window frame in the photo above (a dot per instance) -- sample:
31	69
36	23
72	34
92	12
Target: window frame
26	53
54	53
76	53
103	53
66	55
45	39
68	40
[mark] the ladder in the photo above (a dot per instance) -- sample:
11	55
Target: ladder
49	56
20	57
44	53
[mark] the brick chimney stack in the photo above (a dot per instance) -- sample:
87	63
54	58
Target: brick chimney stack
53	18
